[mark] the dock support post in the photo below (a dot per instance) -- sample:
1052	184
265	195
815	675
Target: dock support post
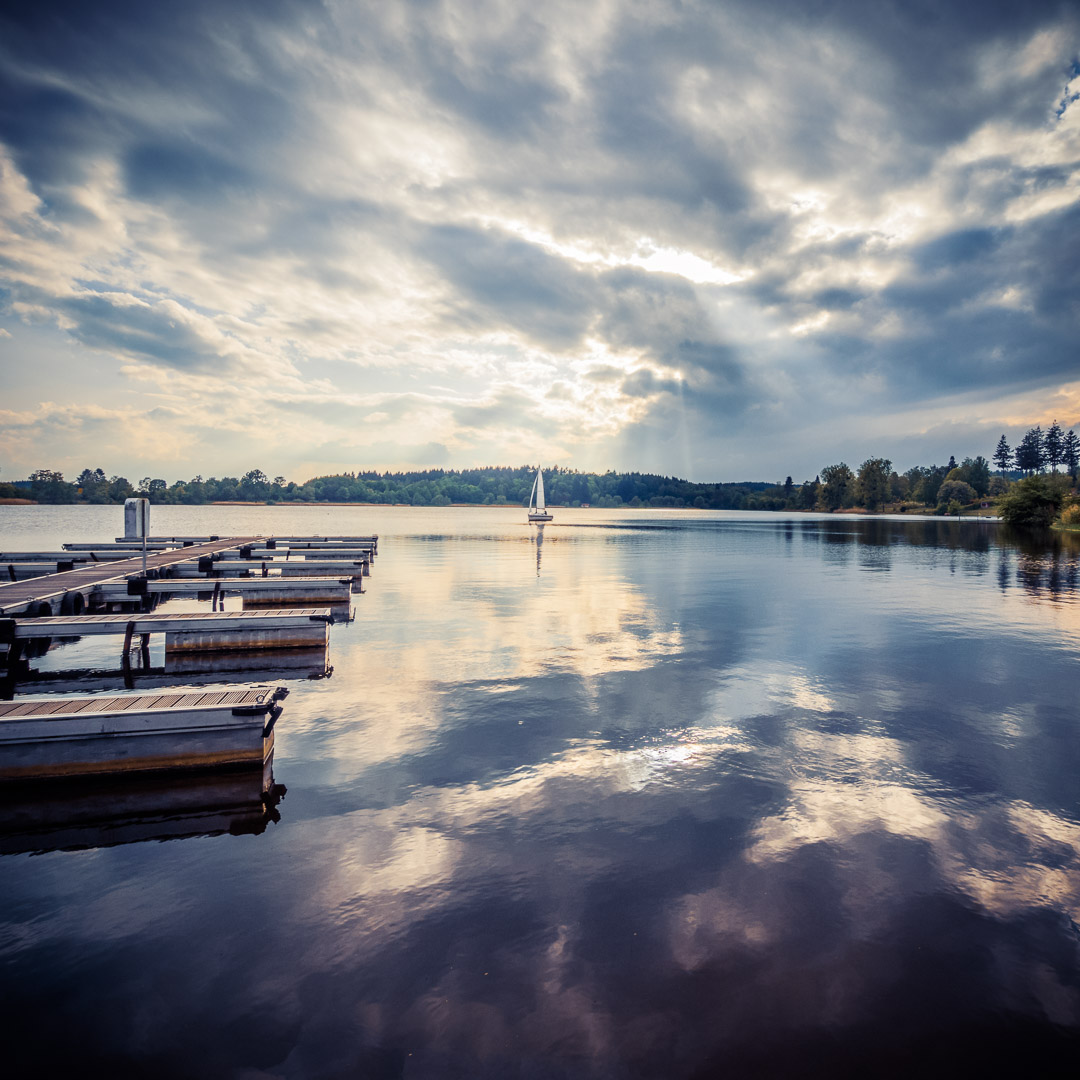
125	658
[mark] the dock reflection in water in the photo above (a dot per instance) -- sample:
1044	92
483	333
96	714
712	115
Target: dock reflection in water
46	815
232	666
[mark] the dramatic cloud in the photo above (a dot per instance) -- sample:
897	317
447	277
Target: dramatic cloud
725	240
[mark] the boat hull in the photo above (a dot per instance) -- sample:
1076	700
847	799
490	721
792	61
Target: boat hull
540	517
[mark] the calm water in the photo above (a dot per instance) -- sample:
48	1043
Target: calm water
673	795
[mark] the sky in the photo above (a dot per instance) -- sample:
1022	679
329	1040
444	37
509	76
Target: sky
718	240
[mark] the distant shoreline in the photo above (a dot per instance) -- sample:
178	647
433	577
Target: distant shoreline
858	511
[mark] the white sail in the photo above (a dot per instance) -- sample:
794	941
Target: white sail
537	503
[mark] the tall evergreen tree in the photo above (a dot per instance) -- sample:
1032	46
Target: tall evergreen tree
1052	446
1003	455
1070	452
1030	455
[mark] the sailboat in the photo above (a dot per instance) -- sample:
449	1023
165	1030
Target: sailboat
537	510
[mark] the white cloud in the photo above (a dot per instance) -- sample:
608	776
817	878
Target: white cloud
742	204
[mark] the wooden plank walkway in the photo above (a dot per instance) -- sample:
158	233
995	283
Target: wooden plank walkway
69	737
17	597
86	556
350	567
172	622
333	585
374	538
336	545
315	554
130	546
174	539
59	707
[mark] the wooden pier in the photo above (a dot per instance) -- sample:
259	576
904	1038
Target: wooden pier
288	590
295	541
59	737
262	551
38	596
52	596
354	568
208	631
91	555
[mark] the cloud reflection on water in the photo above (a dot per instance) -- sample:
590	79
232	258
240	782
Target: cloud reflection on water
825	793
689	796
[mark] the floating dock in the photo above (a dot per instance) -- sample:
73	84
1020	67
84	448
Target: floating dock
333	590
70	737
288	628
73	588
53	596
354	568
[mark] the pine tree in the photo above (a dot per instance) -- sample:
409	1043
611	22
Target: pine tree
1039	446
1003	455
1052	446
1070	452
1030	455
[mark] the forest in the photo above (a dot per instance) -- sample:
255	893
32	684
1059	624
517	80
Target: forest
874	486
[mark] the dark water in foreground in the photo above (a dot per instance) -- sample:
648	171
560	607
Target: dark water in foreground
707	795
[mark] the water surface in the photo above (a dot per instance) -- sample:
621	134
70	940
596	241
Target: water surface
672	794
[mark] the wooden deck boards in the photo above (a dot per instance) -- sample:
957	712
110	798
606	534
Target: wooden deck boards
56	708
154	622
16	596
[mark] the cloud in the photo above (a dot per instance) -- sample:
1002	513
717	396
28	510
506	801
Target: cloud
513	283
789	221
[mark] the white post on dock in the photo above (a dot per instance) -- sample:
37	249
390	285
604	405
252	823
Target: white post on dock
137	523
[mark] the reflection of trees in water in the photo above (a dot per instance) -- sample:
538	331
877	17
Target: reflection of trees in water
1003	568
954	535
1049	575
969	543
1047	563
881	532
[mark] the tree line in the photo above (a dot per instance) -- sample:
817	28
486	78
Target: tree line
487	486
872	487
1040	450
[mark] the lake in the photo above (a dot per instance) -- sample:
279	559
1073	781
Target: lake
670	794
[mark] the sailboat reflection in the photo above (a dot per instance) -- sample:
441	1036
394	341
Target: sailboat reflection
539	546
44	815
